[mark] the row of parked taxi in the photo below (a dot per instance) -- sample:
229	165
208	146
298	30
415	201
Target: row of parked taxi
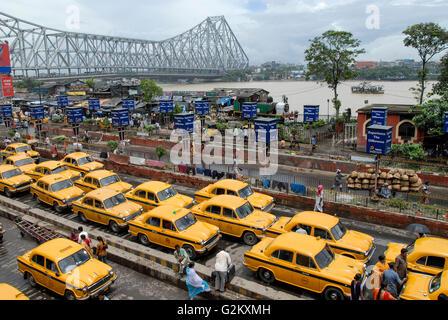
325	260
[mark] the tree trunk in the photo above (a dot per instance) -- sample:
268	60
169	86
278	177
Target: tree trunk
335	101
422	81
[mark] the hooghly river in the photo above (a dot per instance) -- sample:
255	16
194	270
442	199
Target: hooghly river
302	93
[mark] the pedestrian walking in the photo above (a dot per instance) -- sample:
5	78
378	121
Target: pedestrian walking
319	206
393	281
356	288
101	249
313	142
182	258
86	243
382	293
401	263
223	262
425	193
82	232
73	236
377	272
338	180
195	283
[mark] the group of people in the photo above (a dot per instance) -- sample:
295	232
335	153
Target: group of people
82	237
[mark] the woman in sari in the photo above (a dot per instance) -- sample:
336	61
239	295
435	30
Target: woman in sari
319	199
194	283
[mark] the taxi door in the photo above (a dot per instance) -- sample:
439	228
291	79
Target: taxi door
153	223
212	215
305	269
99	210
68	162
35	174
280	263
38	263
168	231
428	264
52	277
228	222
139	196
88	205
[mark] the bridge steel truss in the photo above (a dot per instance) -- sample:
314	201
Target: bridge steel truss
36	51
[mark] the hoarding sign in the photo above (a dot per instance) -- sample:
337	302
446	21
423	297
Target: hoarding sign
37	113
184	121
74	115
266	129
94	104
5	59
6	110
62	101
310	113
120	117
202	107
249	110
166	106
379	116
445	124
379	139
128	104
7	86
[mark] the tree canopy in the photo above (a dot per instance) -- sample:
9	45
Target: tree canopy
432	115
150	89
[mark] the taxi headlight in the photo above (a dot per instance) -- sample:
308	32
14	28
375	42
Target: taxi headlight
83	193
124	218
202	242
111	273
64	200
14	186
84	289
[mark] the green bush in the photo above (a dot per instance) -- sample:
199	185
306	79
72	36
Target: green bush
221	125
89	121
11	132
413	151
59	139
56	119
112	144
150	128
161	151
105	122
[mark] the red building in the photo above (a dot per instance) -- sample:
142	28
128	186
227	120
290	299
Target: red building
366	64
398	117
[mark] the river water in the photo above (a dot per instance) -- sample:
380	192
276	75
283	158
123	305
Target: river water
302	93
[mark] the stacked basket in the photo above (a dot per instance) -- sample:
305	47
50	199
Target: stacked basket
400	180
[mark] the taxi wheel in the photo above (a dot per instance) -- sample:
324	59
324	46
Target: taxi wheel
36	198
249	238
143	239
333	294
68	295
114	226
190	251
266	275
8	193
57	207
31	280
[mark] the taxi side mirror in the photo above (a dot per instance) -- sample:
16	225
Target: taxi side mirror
281	227
57	274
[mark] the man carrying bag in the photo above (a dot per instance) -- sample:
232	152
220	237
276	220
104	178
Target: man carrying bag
223	262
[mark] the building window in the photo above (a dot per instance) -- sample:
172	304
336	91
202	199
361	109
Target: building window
406	131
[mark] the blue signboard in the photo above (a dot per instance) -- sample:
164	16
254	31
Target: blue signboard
379	116
266	129
184	121
310	113
94	104
249	110
202	107
120	117
62	101
166	106
128	104
379	139
37	113
6	111
74	114
445	123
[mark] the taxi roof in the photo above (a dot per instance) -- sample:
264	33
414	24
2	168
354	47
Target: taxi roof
230	183
153	186
50	164
51	178
102	193
317	219
298	242
232	202
7	167
19	156
77	155
18	144
98	174
433	245
167	212
58	248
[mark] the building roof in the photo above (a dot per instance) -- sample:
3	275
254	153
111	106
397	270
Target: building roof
391	108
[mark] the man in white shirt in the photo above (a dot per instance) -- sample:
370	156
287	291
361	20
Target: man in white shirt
223	261
300	229
82	232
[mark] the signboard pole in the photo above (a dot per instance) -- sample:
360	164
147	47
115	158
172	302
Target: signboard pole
377	171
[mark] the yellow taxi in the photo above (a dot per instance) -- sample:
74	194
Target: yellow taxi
107	207
15	148
2	231
349	243
57	191
53	167
82	162
66	268
306	262
8	292
236	217
152	194
237	188
102	178
425	287
12	180
169	226
22	161
427	255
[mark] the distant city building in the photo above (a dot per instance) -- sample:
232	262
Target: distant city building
366	64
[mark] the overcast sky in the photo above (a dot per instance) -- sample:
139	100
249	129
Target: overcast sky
267	29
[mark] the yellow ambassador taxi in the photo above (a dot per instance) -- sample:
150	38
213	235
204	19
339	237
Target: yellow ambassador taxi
349	243
169	226
102	178
152	194
57	191
424	287
66	268
15	148
237	188
305	262
12	180
236	217
53	167
427	255
22	161
82	162
8	292
107	207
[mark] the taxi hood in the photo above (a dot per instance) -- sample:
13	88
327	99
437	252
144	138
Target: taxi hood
68	193
356	240
259	200
416	287
119	186
94	165
179	200
344	268
393	250
201	231
88	273
279	225
22	178
27	167
125	209
259	218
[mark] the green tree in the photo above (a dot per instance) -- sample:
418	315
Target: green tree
177	109
332	54
429	39
150	89
432	115
90	83
28	83
442	85
161	151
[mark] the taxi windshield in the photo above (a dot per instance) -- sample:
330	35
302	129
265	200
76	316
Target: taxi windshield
185	222
11	173
114	201
410	248
325	257
246	192
23	162
166	194
338	231
435	283
23	149
84	160
61	185
58	169
109	180
71	262
245	210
